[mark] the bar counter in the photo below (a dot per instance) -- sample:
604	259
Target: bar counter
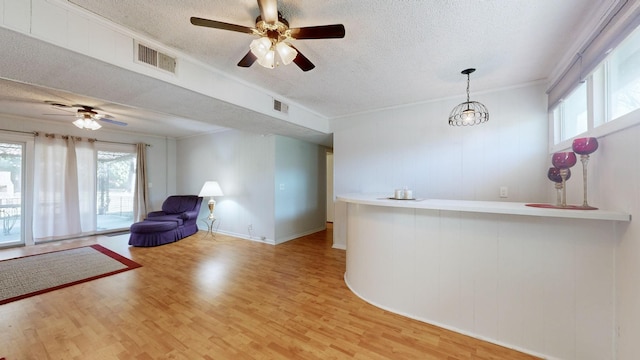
533	279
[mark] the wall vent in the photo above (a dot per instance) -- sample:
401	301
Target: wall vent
149	56
279	106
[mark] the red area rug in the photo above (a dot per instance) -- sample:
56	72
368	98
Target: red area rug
37	274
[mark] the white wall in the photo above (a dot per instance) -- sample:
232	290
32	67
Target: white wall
243	164
614	183
250	169
300	188
414	146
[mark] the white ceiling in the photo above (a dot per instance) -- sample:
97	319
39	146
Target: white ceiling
394	53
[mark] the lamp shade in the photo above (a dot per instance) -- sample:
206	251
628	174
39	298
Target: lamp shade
211	188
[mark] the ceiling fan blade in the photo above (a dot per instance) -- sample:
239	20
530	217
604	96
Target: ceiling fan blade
113	121
302	61
220	25
319	32
248	60
268	10
56	104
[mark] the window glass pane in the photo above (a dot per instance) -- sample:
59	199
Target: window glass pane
116	177
624	77
574	113
557	124
11	172
598	96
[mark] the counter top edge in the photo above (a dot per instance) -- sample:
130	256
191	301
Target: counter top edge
493	207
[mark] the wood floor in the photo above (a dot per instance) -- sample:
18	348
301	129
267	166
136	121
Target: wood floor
222	298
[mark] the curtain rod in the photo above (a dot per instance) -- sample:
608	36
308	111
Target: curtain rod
36	133
20	132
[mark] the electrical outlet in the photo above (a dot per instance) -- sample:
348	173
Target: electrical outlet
250	227
504	191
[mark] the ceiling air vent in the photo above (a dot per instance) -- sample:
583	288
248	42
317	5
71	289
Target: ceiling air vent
279	106
155	58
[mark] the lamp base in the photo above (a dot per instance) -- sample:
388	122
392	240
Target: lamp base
212	205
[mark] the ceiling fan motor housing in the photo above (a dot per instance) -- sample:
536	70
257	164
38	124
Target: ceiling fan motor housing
278	31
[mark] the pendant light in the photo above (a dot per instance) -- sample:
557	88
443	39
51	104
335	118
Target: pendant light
469	112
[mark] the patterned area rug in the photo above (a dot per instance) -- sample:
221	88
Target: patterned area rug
36	274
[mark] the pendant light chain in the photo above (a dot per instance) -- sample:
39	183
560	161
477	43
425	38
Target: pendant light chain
468	87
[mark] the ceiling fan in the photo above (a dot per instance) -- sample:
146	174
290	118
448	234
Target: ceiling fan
87	117
274	35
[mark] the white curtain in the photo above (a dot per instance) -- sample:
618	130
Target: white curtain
64	183
141	192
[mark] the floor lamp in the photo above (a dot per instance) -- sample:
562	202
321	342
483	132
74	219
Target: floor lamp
211	189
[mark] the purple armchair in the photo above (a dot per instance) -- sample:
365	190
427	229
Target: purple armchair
175	221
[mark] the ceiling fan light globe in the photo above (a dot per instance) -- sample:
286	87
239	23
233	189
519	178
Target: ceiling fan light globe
79	123
93	126
87	123
286	52
269	60
260	47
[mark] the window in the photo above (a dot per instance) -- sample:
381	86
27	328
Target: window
572	113
607	100
624	77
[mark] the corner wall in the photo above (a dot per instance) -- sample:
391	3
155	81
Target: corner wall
414	146
300	188
243	164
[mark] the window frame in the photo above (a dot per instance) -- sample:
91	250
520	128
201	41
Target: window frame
599	113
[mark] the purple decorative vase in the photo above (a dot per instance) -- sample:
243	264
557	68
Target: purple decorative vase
584	147
563	161
554	175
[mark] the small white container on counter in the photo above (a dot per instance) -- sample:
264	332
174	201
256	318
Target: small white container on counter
399	194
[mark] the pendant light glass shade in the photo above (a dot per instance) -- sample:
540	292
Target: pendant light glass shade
469	112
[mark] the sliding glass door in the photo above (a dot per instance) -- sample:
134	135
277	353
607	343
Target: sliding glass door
11	194
116	173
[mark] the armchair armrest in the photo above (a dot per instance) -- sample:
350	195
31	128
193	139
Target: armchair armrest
156	213
189	215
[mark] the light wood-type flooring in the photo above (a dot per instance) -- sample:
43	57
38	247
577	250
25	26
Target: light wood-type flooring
222	298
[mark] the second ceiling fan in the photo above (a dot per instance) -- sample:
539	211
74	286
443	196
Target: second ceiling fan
274	35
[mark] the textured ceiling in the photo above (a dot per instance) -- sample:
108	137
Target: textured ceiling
394	52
